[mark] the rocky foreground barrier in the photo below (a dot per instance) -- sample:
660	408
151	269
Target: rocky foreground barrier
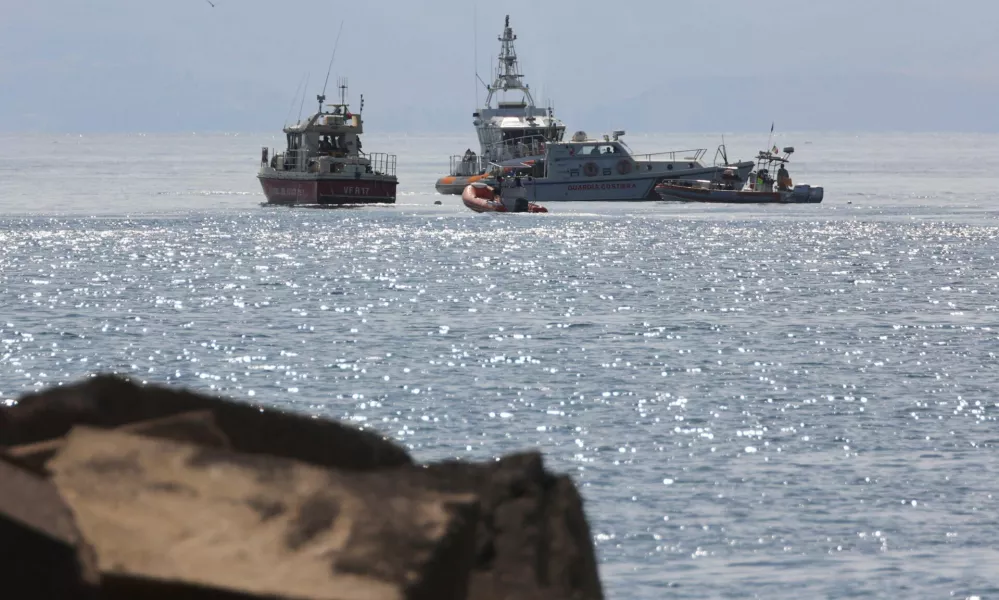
111	490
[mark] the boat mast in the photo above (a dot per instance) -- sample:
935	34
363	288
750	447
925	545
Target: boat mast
508	75
342	84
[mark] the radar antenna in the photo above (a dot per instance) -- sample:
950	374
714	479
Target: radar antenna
508	75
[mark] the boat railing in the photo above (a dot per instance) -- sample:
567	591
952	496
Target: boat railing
467	165
283	160
378	163
693	155
520	147
463	165
535	169
381	163
722	152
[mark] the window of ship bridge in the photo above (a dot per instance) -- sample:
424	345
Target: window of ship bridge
509	135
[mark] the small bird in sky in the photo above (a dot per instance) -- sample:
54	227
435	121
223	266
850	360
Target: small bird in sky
210	2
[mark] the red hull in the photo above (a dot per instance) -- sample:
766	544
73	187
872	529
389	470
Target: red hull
483	198
280	190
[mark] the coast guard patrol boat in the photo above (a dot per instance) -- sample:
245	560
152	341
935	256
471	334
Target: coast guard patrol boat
585	169
512	131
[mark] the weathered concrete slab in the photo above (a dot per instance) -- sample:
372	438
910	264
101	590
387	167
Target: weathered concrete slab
110	401
169	512
196	427
163	515
42	554
533	540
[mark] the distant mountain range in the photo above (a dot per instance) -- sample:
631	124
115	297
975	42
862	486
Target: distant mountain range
683	103
862	102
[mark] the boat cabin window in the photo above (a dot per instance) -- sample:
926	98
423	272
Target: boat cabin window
334	144
596	149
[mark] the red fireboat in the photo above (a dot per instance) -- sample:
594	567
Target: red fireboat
324	164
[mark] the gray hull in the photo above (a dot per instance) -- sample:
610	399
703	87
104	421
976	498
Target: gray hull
802	194
637	187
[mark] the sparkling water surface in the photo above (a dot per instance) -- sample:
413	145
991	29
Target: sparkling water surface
770	401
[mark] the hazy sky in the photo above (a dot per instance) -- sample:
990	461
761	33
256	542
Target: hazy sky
647	65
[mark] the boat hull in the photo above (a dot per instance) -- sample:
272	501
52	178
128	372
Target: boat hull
802	194
326	190
483	198
593	191
639	187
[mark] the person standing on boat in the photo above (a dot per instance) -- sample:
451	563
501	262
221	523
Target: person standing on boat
783	179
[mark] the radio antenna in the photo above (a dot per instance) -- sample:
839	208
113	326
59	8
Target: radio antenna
475	47
302	105
322	97
294	99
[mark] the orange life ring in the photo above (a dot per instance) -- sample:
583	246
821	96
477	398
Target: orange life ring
590	169
624	166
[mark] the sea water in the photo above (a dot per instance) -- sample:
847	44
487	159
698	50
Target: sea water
756	401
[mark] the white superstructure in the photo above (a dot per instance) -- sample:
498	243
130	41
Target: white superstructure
511	128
